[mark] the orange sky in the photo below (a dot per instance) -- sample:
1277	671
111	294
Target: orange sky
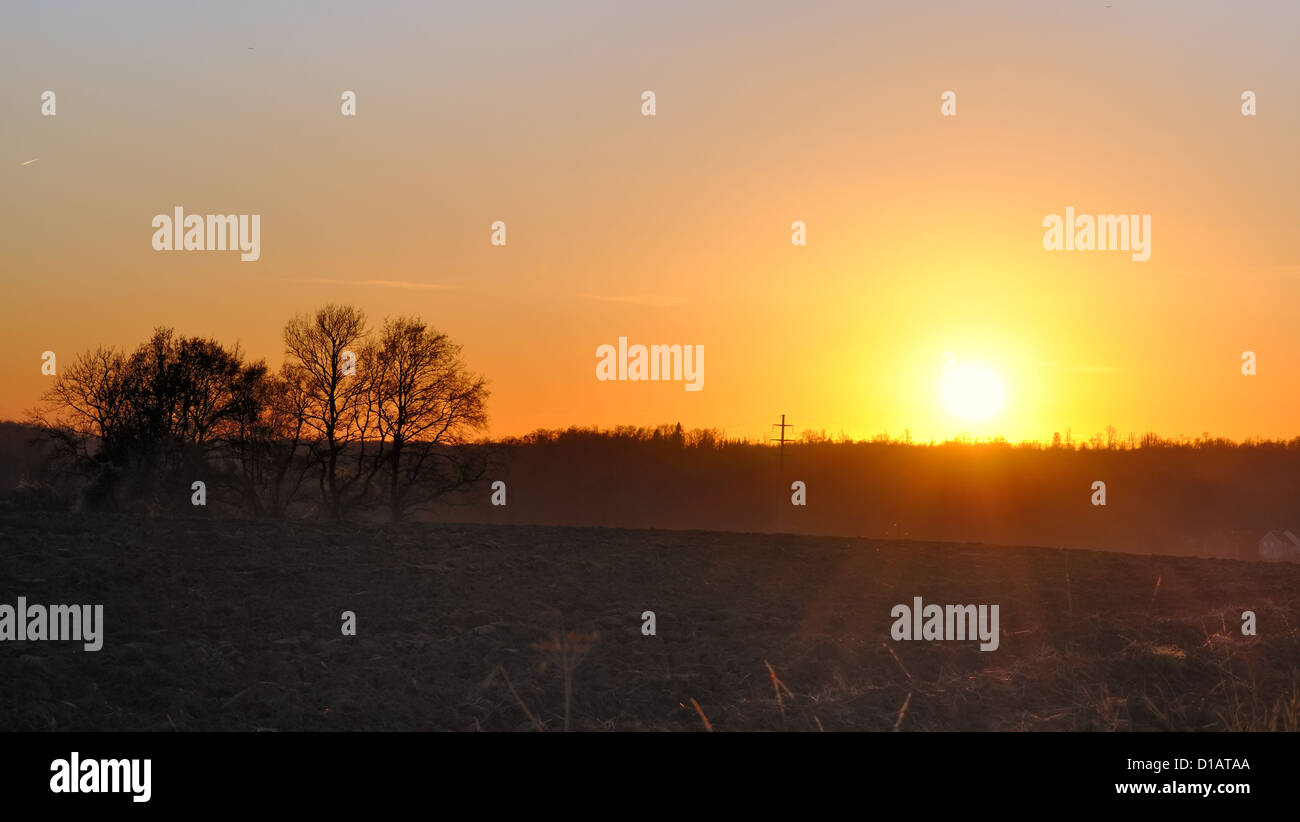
924	232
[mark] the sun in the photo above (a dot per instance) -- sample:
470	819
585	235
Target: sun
973	392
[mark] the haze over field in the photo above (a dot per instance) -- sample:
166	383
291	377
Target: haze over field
924	232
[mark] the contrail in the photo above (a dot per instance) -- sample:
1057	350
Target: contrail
29	162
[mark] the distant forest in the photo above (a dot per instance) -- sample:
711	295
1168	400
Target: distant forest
1207	497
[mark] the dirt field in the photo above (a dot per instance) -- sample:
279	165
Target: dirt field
235	625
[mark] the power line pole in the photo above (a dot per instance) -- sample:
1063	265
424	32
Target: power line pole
782	439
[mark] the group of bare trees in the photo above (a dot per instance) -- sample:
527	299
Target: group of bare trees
377	419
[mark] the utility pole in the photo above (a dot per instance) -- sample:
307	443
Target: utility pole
782	440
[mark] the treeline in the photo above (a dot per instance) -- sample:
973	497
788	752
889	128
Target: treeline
672	435
353	421
1206	497
675	434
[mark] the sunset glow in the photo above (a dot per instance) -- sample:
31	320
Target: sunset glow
924	232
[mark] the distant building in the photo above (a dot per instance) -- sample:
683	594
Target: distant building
1280	546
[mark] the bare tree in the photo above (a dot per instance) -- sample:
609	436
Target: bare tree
425	407
266	436
151	418
81	415
317	348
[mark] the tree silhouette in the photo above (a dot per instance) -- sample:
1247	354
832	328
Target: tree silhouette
335	401
425	407
147	421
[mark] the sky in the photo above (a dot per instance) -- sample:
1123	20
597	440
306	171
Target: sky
924	231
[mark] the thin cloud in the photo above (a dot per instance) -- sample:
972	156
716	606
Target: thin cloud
653	300
379	283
